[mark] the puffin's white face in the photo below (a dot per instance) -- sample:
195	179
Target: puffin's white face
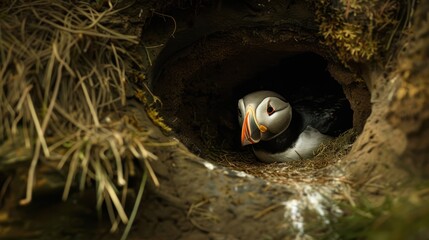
263	115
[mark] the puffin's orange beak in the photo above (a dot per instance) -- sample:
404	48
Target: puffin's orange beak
250	132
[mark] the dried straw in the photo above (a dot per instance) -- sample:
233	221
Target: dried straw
62	83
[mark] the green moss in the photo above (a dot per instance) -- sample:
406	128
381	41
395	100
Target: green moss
405	217
357	30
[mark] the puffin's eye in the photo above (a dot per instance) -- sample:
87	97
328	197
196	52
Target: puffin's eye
270	109
239	113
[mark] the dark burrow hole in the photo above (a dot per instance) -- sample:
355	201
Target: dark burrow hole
223	54
200	98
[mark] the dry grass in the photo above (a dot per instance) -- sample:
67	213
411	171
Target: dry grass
309	170
62	86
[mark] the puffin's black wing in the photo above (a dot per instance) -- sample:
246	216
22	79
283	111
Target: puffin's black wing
330	114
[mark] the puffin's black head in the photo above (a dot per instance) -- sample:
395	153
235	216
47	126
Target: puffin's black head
263	115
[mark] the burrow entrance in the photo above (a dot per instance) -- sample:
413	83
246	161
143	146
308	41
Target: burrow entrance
201	84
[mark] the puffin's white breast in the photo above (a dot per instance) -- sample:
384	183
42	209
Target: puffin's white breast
304	147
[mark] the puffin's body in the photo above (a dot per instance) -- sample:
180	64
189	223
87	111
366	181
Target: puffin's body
280	132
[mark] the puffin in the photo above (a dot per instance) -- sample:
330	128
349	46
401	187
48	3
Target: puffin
281	131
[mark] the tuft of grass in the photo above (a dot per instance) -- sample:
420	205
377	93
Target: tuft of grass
62	86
